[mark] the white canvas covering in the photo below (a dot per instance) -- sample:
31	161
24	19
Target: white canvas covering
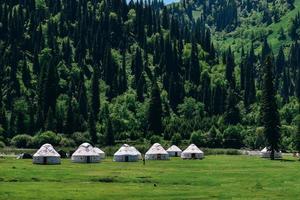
192	152
100	152
126	154
85	154
174	151
265	153
46	155
157	152
138	152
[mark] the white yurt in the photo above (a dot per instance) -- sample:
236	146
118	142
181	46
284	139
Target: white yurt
157	152
126	154
46	155
85	154
138	152
100	152
265	153
192	152
174	151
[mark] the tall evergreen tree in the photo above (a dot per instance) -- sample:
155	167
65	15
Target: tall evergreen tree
232	115
155	111
109	133
92	127
95	92
269	112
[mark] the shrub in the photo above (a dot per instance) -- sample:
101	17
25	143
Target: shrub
176	139
2	145
46	137
81	137
22	141
155	139
198	138
233	137
67	142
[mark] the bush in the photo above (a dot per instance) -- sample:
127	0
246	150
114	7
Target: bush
80	137
176	139
198	138
67	142
2	145
22	141
233	137
46	137
155	139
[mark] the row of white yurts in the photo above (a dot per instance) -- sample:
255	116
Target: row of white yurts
86	153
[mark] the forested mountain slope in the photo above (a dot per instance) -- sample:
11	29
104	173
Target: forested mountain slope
106	71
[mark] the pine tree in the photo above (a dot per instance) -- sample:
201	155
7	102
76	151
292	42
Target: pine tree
95	92
195	71
109	133
230	65
92	127
297	136
70	125
269	112
155	111
50	122
232	115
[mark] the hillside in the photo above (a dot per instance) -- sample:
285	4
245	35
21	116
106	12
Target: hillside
109	71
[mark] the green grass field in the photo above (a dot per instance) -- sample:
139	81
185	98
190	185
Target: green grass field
215	177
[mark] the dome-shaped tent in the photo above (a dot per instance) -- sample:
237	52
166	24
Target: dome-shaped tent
126	154
157	152
137	151
265	153
174	151
192	152
85	154
100	152
46	155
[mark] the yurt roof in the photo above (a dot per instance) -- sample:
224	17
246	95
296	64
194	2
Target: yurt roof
85	149
156	149
99	151
126	150
46	150
265	150
192	149
174	148
137	151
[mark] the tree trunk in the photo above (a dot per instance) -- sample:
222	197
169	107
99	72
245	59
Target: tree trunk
272	154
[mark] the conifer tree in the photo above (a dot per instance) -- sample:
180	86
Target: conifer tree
95	92
155	111
92	127
269	112
232	115
109	133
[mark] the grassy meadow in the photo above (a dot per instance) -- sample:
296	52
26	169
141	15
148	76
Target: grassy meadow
215	177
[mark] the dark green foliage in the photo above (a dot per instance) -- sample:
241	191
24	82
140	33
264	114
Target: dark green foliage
297	137
58	58
155	111
232	113
176	139
95	92
269	112
92	128
109	134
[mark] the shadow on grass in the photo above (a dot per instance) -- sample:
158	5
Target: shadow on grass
285	160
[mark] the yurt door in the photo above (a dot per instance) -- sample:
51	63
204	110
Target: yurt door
158	157
126	158
45	160
88	159
176	154
193	156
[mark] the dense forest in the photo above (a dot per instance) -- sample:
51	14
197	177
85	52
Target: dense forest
108	71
